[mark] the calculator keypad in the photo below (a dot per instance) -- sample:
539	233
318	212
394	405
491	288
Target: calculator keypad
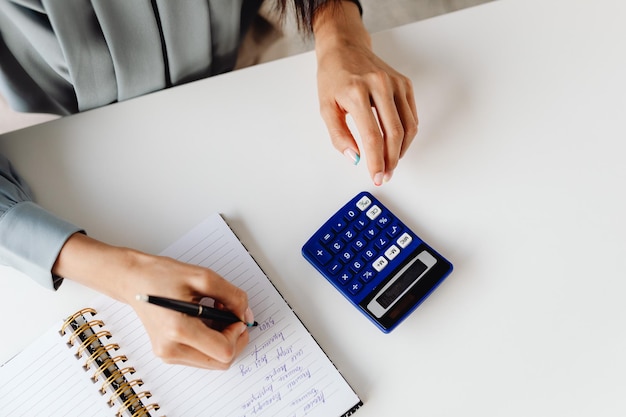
358	243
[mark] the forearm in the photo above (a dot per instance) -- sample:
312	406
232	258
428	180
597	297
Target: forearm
123	273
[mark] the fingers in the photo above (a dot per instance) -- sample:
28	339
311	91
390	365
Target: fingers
340	135
392	99
181	339
205	283
384	112
403	113
405	104
200	346
355	100
209	347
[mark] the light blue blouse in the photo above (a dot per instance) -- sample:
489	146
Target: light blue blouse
66	56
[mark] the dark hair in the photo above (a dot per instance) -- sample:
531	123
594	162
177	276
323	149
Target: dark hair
304	11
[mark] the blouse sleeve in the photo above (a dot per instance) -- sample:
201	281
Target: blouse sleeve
30	237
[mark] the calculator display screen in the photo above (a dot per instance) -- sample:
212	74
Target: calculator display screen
401	284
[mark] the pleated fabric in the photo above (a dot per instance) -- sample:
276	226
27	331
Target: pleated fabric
66	56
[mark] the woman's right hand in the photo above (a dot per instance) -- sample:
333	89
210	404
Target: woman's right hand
176	338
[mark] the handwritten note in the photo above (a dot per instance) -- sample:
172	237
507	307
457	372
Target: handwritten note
282	372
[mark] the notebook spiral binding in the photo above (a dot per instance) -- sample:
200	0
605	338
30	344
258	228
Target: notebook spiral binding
88	334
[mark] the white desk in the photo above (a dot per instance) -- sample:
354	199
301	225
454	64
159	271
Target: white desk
517	176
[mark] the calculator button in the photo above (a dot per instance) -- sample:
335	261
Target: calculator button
356	266
404	240
394	230
380	263
392	252
371	232
373	212
346	256
339	225
366	275
334	268
381	242
361	223
359	244
348	235
351	215
337	246
355	286
363	203
345	277
383	221
327	237
369	254
320	254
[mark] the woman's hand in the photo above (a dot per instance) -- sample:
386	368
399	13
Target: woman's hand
353	80
177	338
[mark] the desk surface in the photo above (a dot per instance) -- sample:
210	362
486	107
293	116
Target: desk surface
516	176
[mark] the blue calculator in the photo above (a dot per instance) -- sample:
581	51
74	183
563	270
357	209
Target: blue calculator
380	265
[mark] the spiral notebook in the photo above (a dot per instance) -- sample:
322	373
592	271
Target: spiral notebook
99	361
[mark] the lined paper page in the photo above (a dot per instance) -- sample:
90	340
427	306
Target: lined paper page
282	372
46	379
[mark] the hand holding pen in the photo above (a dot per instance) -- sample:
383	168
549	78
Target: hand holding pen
195	310
121	273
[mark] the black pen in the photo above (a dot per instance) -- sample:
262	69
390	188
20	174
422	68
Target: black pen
192	309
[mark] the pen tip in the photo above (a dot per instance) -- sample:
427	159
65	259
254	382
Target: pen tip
141	297
252	324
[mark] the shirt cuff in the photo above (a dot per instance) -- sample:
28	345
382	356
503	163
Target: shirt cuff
31	241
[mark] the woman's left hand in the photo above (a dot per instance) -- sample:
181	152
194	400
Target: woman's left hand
353	80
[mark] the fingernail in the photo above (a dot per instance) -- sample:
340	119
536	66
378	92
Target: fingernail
378	178
249	316
352	155
388	176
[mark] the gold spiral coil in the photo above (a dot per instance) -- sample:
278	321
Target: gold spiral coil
91	334
120	390
89	325
105	364
132	401
117	374
91	339
145	411
74	317
99	351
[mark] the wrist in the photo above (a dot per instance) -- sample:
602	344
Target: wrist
339	24
99	266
